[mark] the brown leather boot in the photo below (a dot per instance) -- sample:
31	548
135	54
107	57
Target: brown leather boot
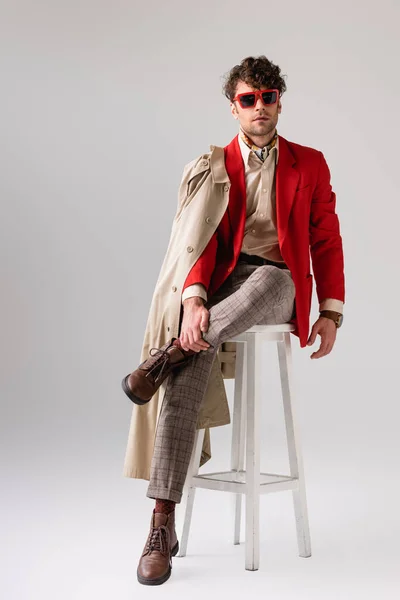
141	385
155	564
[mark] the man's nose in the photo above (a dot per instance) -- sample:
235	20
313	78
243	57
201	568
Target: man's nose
259	103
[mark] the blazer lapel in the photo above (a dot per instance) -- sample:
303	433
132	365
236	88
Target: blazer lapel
237	193
287	178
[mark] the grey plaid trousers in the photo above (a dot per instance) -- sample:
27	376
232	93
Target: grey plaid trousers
251	295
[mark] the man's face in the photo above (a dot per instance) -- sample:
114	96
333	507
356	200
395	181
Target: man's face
258	130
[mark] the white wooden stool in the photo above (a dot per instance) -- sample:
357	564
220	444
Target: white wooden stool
246	425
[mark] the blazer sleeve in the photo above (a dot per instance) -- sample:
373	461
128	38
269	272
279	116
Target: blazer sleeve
203	268
325	239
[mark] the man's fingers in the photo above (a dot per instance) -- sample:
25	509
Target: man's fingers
204	322
322	350
188	341
196	344
200	342
199	345
313	336
192	344
204	345
330	346
194	324
328	337
183	341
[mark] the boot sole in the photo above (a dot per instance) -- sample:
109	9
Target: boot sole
163	578
130	394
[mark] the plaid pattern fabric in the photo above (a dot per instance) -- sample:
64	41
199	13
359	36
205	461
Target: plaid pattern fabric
251	295
262	153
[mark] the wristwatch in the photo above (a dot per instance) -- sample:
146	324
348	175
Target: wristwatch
337	317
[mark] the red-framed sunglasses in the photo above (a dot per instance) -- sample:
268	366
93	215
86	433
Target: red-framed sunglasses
249	99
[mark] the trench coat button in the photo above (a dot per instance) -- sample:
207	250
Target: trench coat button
204	162
208	220
226	187
174	288
189	249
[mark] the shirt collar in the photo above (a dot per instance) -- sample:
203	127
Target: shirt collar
246	145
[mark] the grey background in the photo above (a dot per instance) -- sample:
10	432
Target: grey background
102	103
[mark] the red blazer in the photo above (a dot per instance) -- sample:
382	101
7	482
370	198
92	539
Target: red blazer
306	224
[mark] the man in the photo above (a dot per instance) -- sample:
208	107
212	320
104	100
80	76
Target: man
256	210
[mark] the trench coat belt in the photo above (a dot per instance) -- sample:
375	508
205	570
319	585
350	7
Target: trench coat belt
254	259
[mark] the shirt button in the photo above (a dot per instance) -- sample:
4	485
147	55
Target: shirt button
174	288
189	249
253	231
261	214
208	220
264	190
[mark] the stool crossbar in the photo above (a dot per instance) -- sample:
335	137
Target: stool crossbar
245	449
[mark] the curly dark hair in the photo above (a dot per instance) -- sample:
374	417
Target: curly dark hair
259	72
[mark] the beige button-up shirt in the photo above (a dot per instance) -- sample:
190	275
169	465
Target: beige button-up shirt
260	234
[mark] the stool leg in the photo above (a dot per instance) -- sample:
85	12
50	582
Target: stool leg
253	411
238	433
295	457
185	507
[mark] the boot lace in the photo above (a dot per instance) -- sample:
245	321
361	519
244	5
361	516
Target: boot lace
158	540
161	359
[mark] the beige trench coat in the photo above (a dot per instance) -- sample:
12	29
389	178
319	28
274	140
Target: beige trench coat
202	200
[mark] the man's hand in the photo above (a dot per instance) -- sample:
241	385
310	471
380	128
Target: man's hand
326	328
194	323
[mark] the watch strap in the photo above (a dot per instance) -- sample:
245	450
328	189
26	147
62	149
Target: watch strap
332	314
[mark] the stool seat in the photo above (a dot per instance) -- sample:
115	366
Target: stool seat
245	448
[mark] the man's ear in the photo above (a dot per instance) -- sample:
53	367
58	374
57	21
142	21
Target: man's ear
279	107
234	110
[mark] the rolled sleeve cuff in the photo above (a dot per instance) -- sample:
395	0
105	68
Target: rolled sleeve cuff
331	304
197	289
